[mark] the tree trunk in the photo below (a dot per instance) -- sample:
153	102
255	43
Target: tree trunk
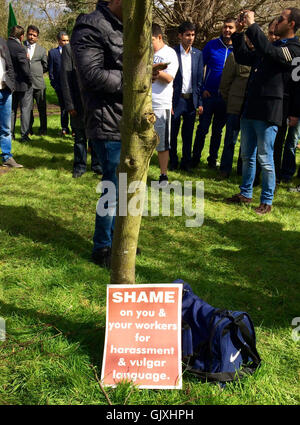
137	132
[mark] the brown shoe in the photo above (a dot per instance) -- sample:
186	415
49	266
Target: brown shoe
238	199
263	209
11	163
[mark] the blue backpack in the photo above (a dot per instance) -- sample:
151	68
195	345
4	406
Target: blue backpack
217	345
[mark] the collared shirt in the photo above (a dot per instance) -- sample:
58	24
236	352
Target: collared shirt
30	49
186	60
2	72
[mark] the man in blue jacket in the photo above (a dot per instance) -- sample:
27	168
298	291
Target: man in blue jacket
186	95
215	54
54	63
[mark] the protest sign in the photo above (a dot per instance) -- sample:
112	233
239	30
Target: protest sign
143	336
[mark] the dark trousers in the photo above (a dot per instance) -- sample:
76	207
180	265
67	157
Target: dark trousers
39	95
278	148
214	109
64	117
24	99
231	136
80	153
186	110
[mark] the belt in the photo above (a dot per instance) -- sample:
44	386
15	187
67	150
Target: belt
186	95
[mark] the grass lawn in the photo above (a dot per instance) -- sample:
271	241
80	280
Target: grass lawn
53	298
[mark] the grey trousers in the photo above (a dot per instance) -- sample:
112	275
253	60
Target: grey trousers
25	100
39	95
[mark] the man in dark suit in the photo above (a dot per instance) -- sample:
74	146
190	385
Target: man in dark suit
38	66
74	106
54	64
186	95
23	93
7	86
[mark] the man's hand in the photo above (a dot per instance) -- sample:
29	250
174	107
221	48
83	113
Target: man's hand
206	94
156	69
73	113
249	17
200	110
293	121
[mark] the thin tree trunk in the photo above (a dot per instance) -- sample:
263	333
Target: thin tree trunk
137	132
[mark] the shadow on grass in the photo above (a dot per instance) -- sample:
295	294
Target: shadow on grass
25	221
88	334
57	162
254	267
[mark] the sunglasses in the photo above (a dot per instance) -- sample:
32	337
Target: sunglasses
280	19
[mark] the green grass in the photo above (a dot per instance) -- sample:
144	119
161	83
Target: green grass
53	298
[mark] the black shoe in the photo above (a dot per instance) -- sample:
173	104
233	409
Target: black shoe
163	180
97	171
102	257
77	174
25	139
42	132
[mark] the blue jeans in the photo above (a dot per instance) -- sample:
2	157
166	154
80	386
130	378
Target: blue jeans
108	154
288	166
5	124
231	136
214	108
258	137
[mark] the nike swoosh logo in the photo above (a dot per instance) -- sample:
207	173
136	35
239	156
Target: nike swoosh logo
234	357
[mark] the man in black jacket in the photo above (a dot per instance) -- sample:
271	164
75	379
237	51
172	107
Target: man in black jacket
97	44
271	72
23	93
7	86
73	105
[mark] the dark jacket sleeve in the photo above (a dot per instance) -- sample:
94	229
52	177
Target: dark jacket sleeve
24	65
66	72
242	54
44	61
50	68
294	99
200	73
89	50
279	54
9	69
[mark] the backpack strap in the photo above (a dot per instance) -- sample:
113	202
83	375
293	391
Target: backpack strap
250	348
220	376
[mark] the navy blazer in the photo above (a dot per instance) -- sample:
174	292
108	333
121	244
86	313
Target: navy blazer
197	77
54	65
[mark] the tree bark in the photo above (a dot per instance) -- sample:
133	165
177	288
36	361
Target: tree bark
137	132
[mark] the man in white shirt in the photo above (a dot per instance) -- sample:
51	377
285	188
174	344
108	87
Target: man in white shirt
187	95
162	93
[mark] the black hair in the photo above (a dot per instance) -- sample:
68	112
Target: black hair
33	28
186	26
229	19
156	30
294	16
61	34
